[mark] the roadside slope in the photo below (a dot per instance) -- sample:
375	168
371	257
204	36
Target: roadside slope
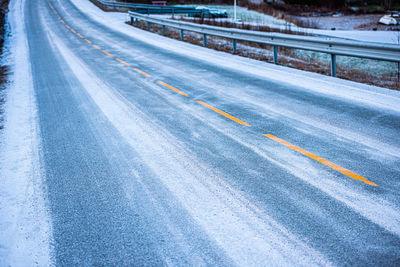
25	230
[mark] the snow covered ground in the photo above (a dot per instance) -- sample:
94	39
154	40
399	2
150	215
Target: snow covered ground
255	18
389	37
25	230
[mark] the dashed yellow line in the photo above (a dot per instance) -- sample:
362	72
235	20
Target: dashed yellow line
223	113
142	72
274	138
173	88
321	160
123	62
105	52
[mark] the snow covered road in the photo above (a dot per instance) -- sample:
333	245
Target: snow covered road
150	151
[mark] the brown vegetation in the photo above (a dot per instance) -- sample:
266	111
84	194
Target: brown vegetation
243	26
3	69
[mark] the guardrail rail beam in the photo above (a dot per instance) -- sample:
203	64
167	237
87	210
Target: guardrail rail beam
333	46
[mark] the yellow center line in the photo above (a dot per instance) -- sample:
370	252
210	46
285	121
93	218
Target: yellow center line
173	88
142	72
105	52
321	160
223	113
123	62
272	137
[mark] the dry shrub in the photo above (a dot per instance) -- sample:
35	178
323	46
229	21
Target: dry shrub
242	26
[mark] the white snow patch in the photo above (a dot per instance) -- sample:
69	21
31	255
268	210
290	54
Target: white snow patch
388	37
25	230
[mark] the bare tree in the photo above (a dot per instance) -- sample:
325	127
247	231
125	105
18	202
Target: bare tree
335	3
387	4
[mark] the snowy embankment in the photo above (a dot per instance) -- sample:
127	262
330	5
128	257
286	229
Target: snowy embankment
24	225
251	17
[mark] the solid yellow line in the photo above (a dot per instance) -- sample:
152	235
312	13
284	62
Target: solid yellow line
105	52
67	26
63	22
80	35
72	30
96	46
321	160
142	72
223	113
123	62
90	42
173	88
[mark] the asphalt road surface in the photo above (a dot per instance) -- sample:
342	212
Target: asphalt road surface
156	152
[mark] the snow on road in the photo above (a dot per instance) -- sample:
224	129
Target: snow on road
354	93
246	233
25	230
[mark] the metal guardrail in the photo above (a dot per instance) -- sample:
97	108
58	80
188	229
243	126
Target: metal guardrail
150	9
333	46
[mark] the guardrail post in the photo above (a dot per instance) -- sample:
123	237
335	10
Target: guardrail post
275	54
234	46
137	21
131	21
148	26
163	30
182	37
205	40
333	65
